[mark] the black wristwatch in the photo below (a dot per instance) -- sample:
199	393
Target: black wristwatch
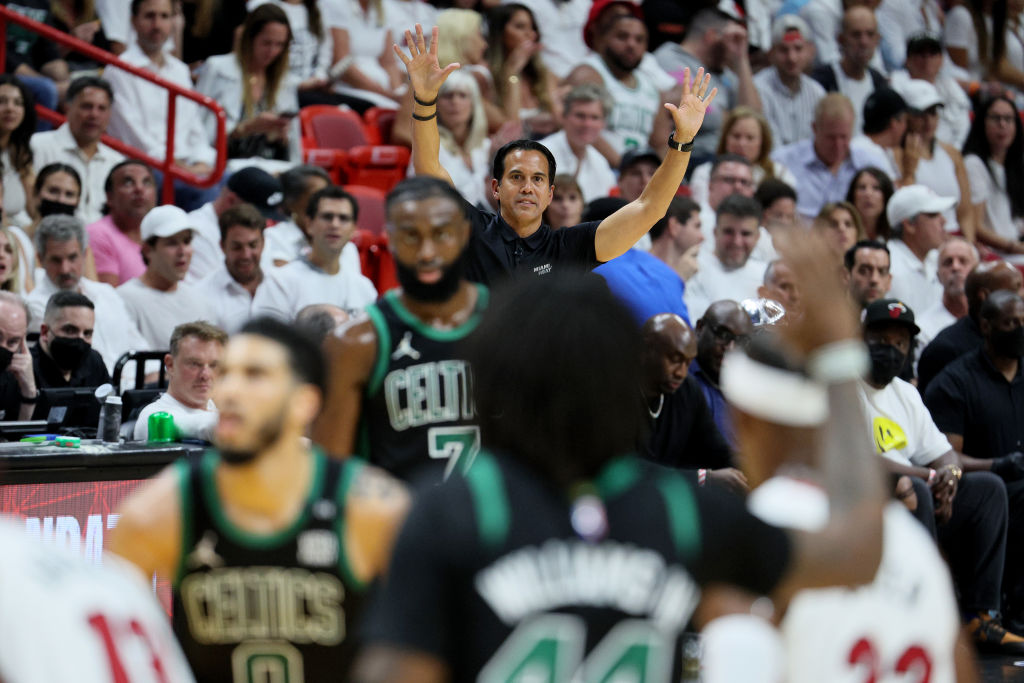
679	146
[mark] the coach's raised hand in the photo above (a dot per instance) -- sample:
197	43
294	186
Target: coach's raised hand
425	74
689	113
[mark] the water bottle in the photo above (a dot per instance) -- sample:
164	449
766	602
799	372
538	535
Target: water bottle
109	429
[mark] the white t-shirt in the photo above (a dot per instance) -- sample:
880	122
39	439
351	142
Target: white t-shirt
857	91
593	174
57	612
959	32
713	283
561	29
470	179
939	173
157	313
193	423
207	255
292	287
901	426
285	241
914	282
991	189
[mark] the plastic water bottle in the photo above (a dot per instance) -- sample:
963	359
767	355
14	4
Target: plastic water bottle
109	429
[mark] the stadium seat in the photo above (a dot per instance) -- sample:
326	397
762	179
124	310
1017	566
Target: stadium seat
375	259
371	208
379	122
379	166
338	141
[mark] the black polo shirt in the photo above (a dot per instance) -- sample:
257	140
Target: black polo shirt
948	345
495	250
91	373
10	397
972	398
684	435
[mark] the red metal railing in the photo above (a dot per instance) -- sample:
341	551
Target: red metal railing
167	167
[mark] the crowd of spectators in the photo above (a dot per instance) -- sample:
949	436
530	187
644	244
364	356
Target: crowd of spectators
892	127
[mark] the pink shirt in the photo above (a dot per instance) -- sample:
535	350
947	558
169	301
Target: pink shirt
114	253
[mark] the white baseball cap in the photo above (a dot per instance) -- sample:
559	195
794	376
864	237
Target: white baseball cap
165	221
919	94
911	200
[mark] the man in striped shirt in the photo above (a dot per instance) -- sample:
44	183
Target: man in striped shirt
788	95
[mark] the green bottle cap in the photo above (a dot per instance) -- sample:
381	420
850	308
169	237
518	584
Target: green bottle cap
161	428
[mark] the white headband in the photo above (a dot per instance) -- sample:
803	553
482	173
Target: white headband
772	394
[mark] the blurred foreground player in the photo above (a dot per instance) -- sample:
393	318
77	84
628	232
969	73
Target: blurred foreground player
269	543
905	622
397	378
559	552
63	619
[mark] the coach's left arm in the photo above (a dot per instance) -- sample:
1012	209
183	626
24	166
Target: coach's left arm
622	229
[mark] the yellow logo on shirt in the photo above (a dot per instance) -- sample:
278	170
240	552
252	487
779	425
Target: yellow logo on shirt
889	436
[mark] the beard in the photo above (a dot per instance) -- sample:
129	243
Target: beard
442	290
266	434
622	63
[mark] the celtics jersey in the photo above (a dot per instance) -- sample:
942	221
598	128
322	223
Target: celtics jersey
270	608
508	578
418	408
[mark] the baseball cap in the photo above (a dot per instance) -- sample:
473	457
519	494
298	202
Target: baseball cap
634	155
259	188
598	8
919	95
911	200
165	221
889	311
924	41
790	27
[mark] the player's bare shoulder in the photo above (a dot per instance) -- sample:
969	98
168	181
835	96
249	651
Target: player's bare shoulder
374	490
375	508
148	532
353	345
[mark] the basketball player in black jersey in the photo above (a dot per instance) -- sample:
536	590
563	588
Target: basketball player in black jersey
268	542
400	393
559	556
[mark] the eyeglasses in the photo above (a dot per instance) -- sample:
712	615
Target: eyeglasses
1000	118
733	180
725	336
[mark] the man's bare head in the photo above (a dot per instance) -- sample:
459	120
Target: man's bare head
988	277
669	348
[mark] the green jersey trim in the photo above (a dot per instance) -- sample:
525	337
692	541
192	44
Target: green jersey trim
350	469
617	476
454	334
490	500
683	517
185	493
380	365
250	539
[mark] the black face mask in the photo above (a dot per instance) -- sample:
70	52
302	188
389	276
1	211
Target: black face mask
441	290
1008	343
49	207
886	362
69	352
5	358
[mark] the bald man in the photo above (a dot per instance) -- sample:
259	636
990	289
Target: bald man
722	326
957	257
852	74
780	285
965	335
683	431
825	164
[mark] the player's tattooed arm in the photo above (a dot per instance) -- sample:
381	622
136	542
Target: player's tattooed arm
351	353
374	511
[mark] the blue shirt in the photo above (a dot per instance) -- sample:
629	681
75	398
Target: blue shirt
816	186
716	402
645	284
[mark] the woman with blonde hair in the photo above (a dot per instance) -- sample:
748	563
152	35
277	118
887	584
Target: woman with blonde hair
254	86
465	150
10	265
745	132
841	224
